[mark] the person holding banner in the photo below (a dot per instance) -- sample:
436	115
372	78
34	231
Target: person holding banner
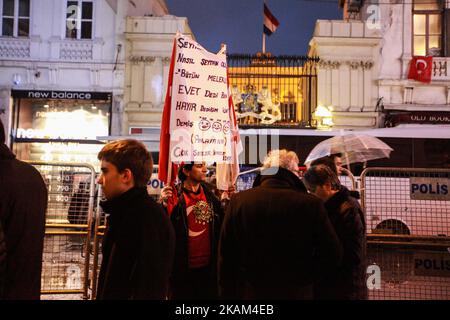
196	215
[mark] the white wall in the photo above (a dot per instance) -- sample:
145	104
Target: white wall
347	72
346	47
149	42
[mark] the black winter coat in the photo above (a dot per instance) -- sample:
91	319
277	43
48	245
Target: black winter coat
23	203
273	238
349	280
2	261
137	249
178	217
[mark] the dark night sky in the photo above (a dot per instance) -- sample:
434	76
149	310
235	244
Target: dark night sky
239	23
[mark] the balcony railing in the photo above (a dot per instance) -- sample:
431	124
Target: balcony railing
440	69
11	48
76	50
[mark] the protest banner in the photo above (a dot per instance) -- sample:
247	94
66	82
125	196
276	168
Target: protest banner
199	123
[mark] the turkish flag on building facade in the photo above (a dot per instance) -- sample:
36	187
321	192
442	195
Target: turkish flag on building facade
420	69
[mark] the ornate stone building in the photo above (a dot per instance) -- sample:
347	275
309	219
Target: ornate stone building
148	51
71	71
365	57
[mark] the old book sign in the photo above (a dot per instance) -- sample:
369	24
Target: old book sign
430	189
200	109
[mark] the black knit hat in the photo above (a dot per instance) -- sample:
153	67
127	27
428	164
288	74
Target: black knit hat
186	165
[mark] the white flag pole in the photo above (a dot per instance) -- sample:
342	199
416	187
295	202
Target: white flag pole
264	43
169	170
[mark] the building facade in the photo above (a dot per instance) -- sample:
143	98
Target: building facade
148	51
365	60
69	72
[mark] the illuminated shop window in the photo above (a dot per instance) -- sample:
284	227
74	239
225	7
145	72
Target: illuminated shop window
272	90
60	131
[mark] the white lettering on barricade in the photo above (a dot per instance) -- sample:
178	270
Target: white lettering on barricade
430	188
200	117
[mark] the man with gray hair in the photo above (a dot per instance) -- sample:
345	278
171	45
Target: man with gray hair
274	236
282	158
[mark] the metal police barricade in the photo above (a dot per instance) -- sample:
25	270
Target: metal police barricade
408	231
69	216
99	232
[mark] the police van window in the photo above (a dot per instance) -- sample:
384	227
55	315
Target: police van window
437	153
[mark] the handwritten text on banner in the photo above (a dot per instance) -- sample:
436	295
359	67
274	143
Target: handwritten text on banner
200	114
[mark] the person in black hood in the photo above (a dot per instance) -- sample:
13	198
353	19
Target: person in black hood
23	203
2	261
348	280
139	241
274	236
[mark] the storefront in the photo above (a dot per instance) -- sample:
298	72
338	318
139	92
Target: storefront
397	117
60	126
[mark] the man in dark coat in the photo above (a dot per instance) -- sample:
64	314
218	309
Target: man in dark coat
196	215
23	203
274	236
139	242
2	261
348	281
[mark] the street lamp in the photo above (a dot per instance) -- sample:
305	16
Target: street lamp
324	117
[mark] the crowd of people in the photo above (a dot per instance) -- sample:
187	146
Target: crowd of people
285	238
288	237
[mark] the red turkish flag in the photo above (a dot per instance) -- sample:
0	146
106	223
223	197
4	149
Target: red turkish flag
420	69
164	142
